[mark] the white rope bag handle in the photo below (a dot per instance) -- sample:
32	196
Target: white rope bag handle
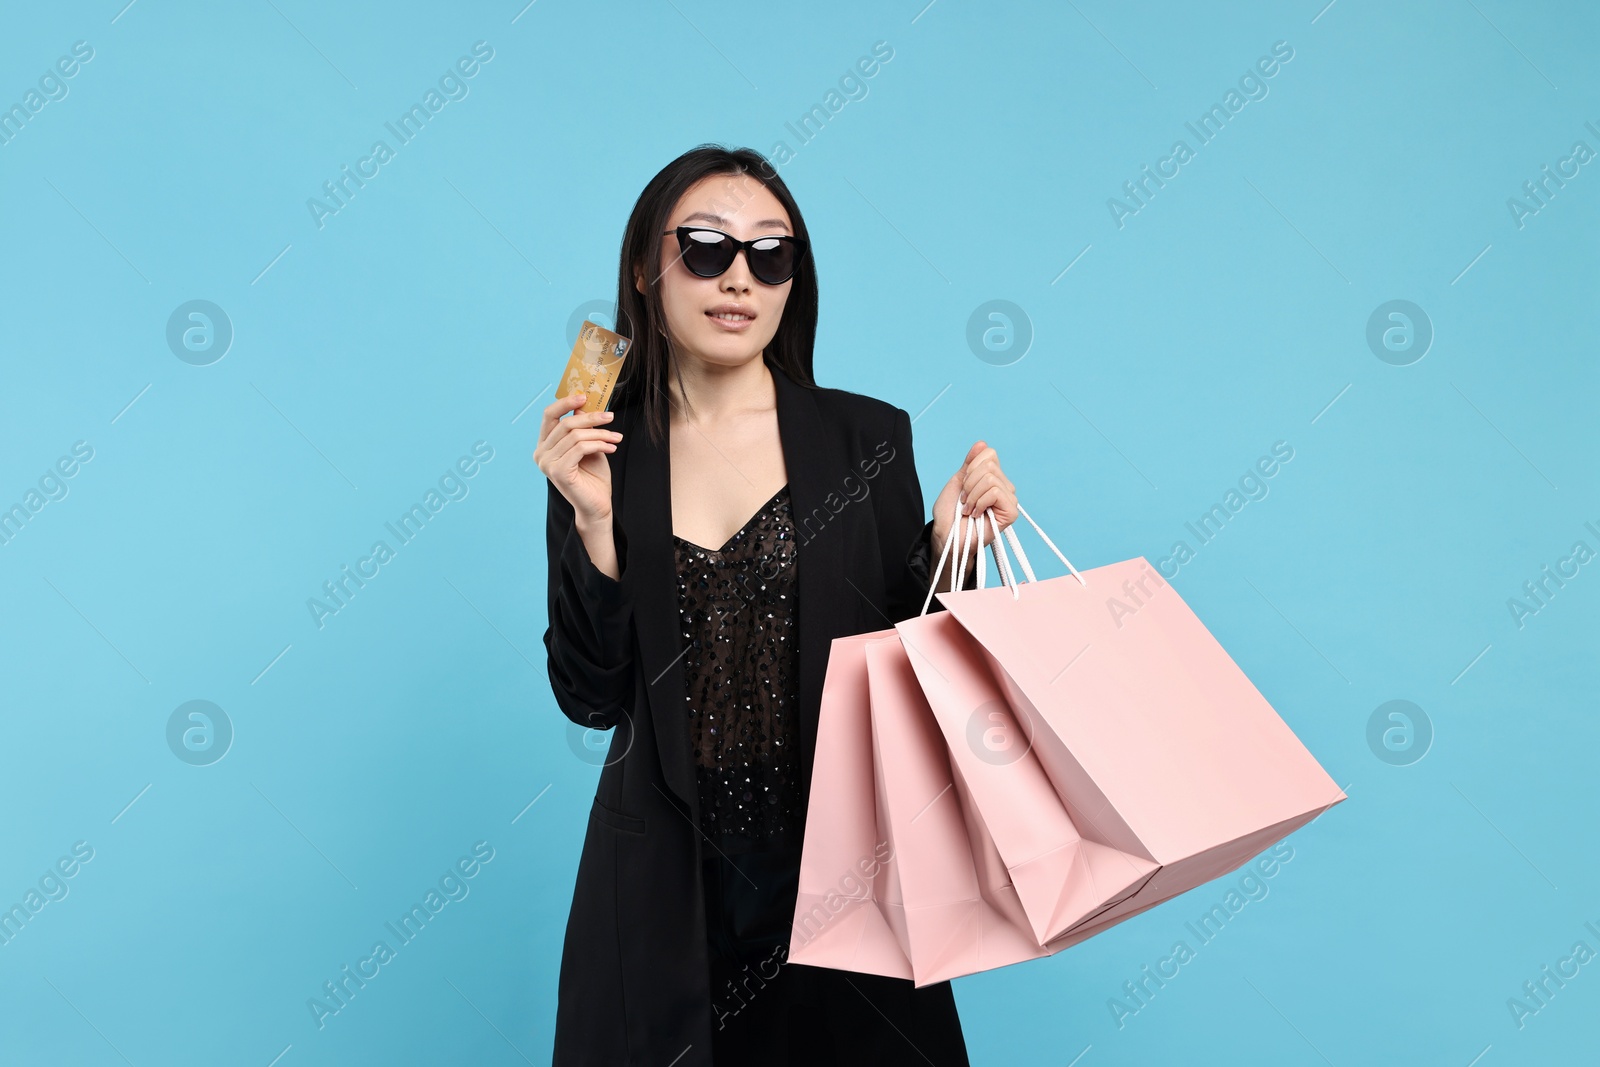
971	527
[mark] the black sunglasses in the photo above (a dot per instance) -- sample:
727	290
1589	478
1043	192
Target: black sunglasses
708	253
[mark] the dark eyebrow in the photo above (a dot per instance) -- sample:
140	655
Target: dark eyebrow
718	220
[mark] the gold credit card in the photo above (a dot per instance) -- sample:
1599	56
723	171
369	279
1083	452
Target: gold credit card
594	366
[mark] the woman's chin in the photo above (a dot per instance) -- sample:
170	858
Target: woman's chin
729	349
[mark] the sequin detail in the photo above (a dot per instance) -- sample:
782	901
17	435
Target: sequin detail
738	620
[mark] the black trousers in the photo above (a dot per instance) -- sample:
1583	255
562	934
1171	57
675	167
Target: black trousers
767	1011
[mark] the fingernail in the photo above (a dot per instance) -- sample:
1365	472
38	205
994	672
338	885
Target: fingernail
605	414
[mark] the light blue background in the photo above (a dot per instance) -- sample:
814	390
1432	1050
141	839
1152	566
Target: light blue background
431	313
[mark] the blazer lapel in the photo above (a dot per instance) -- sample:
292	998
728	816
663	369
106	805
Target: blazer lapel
816	470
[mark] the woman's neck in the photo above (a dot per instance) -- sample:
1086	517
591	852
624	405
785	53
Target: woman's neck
718	391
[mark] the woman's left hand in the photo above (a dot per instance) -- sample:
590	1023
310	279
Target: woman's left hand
980	484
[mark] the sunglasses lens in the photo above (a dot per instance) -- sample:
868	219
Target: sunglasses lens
707	252
772	260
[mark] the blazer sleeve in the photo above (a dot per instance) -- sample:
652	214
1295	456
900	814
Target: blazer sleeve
907	536
589	636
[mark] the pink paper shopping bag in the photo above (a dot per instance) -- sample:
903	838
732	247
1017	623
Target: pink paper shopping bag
1155	742
940	901
1060	877
845	863
889	883
949	900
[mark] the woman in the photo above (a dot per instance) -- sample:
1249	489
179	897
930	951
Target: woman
708	662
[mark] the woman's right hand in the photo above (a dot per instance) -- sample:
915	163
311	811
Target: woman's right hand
572	454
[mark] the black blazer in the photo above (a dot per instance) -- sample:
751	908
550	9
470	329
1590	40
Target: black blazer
633	985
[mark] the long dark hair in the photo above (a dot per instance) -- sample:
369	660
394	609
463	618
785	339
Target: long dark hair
641	316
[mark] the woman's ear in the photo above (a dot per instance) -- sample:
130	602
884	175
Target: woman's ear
638	278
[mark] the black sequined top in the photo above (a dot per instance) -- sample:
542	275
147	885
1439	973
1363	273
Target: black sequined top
738	618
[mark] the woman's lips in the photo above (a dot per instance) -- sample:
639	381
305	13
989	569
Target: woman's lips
731	325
